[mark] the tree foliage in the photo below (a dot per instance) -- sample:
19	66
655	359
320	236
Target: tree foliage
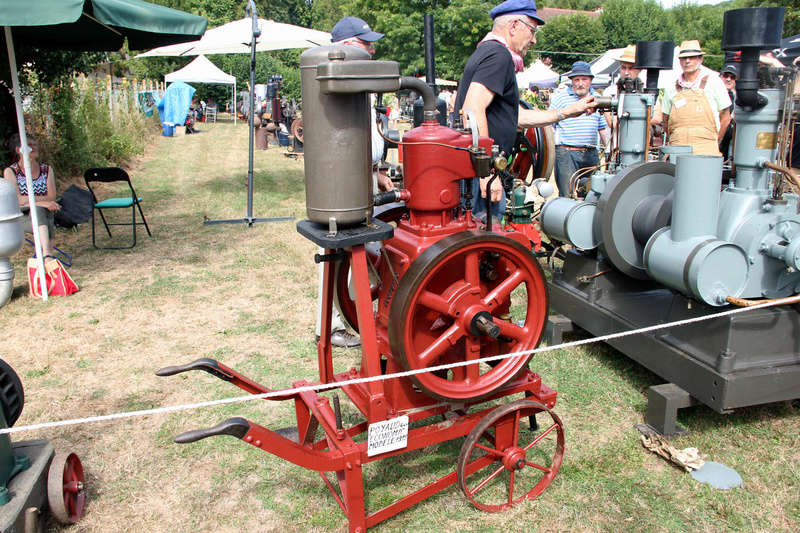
459	25
628	21
583	5
574	32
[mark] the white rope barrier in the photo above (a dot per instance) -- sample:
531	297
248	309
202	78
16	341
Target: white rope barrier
327	386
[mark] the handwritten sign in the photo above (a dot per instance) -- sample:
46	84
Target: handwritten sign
387	435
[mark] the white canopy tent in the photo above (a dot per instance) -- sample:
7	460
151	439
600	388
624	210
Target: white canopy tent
234	38
201	70
539	74
440	82
248	35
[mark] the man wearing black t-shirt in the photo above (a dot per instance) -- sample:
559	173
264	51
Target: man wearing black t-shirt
488	88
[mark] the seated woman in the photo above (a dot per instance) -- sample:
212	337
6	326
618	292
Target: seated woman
44	187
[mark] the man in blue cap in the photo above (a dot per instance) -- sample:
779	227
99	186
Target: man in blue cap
576	137
353	31
488	88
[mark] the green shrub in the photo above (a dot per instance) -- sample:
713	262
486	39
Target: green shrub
76	129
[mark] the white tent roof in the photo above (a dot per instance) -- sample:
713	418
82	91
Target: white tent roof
539	74
201	70
234	38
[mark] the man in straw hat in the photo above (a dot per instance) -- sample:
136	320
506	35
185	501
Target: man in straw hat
489	89
696	107
627	69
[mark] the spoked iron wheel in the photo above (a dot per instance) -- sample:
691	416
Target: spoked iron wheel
454	304
503	462
66	492
297	129
343	296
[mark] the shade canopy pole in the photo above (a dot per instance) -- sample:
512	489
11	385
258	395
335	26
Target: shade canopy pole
26	150
249	219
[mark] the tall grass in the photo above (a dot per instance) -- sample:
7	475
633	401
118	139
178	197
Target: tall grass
77	128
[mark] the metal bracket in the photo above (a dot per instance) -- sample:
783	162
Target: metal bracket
324	258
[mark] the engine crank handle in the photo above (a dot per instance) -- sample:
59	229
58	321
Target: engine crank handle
212	366
235	427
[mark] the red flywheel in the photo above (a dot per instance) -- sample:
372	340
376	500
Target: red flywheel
471	295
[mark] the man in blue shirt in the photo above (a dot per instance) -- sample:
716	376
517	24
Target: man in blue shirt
576	137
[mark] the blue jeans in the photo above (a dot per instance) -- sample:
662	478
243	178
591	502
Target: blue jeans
568	161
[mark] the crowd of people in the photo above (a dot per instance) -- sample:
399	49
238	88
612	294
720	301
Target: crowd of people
696	109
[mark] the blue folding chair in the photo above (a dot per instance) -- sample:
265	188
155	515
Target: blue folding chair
132	202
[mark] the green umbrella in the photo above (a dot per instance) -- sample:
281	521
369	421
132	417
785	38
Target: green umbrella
87	25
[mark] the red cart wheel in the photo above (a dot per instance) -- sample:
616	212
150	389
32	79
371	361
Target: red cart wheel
454	304
502	462
297	129
66	491
343	297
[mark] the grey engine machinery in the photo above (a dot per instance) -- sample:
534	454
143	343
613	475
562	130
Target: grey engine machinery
657	241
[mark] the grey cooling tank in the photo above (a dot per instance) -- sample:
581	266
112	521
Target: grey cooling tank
337	144
10	237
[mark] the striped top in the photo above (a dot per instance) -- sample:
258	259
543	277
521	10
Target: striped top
39	184
576	131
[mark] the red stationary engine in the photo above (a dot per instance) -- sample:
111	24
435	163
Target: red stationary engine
432	294
446	290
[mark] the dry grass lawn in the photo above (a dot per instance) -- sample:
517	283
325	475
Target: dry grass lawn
246	296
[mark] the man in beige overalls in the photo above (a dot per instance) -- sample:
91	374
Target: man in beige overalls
696	107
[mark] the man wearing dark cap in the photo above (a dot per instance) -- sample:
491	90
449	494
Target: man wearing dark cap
488	87
353	31
576	137
728	74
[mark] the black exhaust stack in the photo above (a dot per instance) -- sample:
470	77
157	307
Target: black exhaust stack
430	78
751	30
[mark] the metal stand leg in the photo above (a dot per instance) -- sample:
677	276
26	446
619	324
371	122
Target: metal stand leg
324	354
370	356
557	325
663	402
351	483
